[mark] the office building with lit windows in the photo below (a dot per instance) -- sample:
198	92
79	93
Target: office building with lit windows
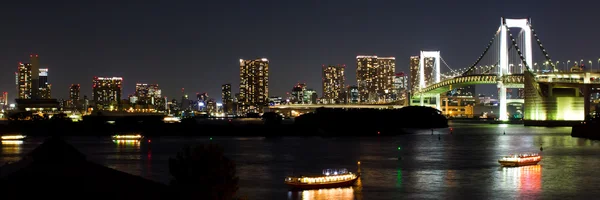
429	64
226	98
4	99
366	75
375	78
386	71
333	84
74	94
400	85
44	88
254	85
148	94
106	92
23	81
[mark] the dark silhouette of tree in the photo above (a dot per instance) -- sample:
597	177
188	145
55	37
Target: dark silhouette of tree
203	172
272	118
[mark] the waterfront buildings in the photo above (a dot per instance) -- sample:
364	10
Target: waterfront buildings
106	92
375	78
254	85
333	84
74	92
44	88
23	81
400	86
226	98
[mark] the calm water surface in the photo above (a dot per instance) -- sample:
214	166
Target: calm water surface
459	165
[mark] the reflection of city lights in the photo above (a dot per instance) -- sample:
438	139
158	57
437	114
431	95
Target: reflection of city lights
333	193
525	179
127	141
13	142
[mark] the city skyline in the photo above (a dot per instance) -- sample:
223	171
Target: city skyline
74	59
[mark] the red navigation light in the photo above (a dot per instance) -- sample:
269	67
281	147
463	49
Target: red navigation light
36	55
31	55
378	132
149	141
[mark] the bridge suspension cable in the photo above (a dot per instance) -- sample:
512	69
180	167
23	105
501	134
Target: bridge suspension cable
542	48
487	48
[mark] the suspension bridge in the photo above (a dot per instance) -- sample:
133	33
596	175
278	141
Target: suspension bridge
550	94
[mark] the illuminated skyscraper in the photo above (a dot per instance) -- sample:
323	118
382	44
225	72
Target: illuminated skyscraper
429	64
226	98
366	73
23	76
106	92
149	94
375	77
44	88
254	84
4	99
74	94
333	83
400	85
386	71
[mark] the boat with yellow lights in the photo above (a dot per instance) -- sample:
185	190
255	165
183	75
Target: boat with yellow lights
13	137
520	160
331	178
137	137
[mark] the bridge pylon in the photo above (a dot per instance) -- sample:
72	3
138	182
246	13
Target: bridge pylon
505	24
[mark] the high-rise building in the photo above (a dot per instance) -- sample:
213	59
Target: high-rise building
4	99
298	92
375	77
74	94
107	92
141	93
353	95
44	88
149	94
23	80
366	73
35	76
226	98
385	78
400	85
333	83
429	64
254	84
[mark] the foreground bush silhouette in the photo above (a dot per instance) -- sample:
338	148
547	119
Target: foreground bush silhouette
203	172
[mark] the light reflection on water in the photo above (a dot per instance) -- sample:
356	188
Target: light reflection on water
454	166
344	193
525	179
11	150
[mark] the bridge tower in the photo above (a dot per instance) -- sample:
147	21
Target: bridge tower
505	24
436	74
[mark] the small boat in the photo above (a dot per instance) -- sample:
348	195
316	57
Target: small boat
331	178
520	160
13	137
127	137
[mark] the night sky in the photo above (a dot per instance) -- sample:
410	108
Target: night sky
197	45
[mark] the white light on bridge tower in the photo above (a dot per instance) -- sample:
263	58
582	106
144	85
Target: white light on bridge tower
436	73
504	36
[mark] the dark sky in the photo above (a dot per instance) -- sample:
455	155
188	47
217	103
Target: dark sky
197	44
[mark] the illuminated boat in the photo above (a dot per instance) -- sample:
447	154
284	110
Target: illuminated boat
13	137
331	178
520	160
137	137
